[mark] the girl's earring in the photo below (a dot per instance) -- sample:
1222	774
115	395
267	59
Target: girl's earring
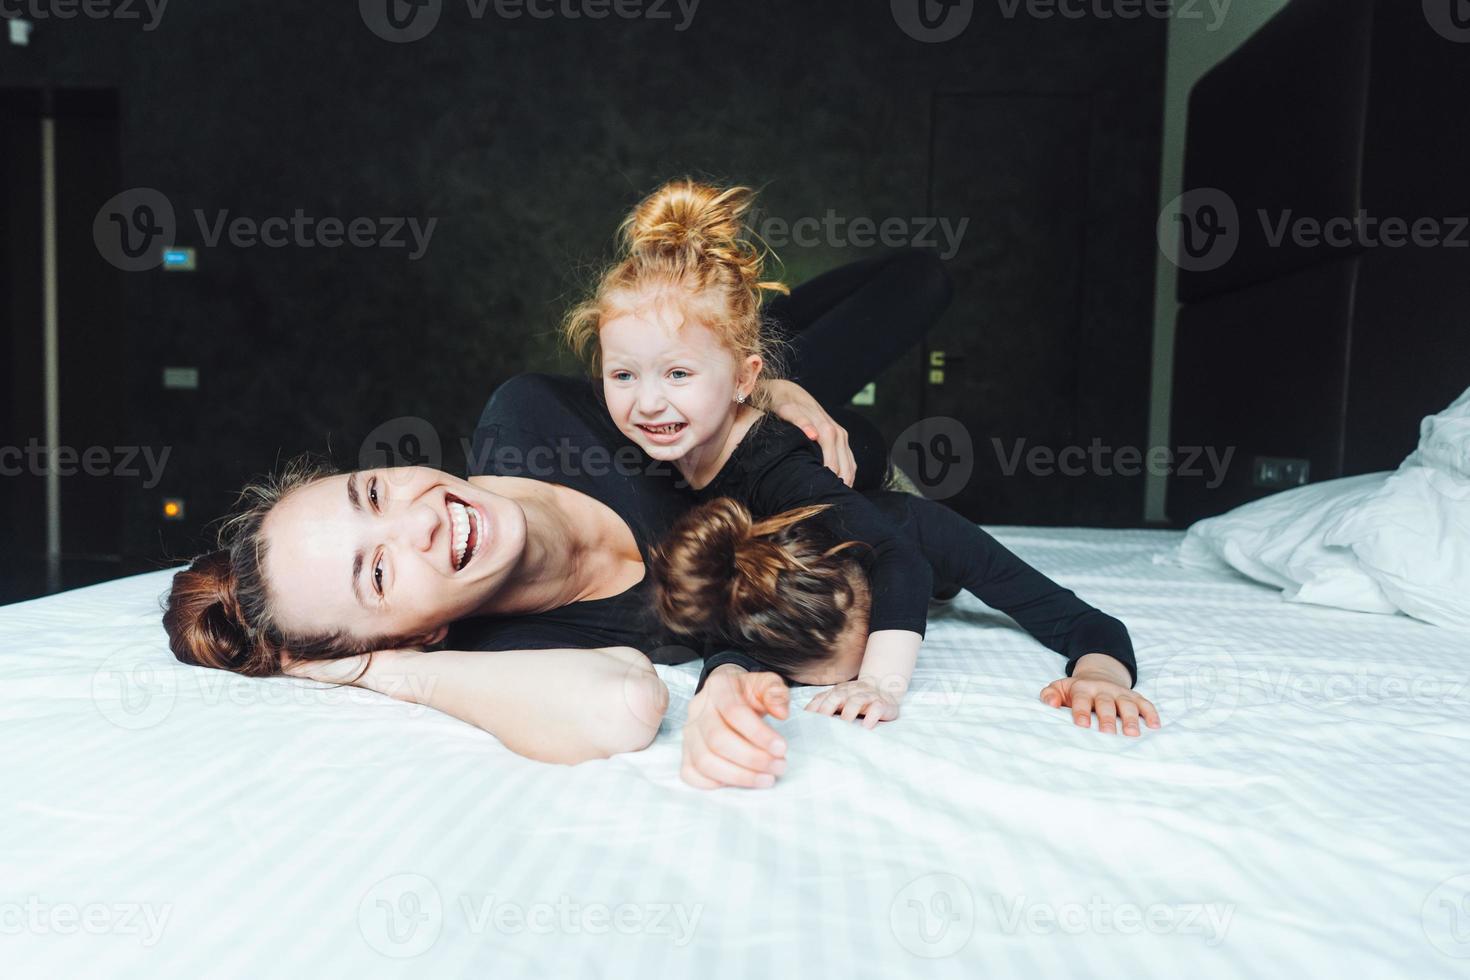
740	398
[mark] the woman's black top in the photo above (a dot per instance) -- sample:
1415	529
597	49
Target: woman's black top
557	430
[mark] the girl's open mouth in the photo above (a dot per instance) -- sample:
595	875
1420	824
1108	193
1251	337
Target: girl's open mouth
667	432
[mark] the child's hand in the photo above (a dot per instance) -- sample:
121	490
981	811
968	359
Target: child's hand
859	697
1084	694
792	402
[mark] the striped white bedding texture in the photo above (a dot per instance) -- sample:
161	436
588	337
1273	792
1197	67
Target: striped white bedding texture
1303	811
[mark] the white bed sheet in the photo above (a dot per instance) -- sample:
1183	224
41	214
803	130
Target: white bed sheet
1303	811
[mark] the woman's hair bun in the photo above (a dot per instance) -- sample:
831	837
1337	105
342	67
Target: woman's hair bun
782	584
203	619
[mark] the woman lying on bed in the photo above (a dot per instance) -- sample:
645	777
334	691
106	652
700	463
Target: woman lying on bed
525	583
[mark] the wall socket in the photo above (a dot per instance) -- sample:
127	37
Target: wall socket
1277	472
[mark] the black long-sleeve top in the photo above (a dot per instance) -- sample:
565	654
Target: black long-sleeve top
963	554
776	468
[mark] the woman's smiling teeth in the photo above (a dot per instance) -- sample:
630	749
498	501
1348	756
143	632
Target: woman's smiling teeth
465	523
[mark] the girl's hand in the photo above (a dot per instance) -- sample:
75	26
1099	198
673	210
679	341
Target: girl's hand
727	742
857	697
791	402
1085	694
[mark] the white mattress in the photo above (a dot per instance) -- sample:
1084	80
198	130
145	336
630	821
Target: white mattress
1303	811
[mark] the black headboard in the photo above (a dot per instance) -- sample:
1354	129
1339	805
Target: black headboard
1330	353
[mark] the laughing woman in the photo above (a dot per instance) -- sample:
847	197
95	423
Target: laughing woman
518	599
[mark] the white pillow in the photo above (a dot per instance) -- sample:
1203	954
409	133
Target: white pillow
1444	439
1279	540
1413	536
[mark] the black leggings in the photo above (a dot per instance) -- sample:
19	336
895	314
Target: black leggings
843	328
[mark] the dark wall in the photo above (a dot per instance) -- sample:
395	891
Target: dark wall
528	139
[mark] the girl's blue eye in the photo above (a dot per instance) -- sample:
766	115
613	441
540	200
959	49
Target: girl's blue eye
678	374
621	375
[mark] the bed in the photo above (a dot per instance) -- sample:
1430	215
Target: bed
1302	810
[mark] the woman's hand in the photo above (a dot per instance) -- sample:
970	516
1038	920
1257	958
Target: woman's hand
342	671
727	742
1098	689
791	402
863	697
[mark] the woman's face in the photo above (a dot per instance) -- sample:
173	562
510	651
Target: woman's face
399	552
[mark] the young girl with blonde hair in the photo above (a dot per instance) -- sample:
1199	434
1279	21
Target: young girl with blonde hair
676	333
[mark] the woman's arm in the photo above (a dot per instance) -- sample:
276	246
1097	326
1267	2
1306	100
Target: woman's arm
564	706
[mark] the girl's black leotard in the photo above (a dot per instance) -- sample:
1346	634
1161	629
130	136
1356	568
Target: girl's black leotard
558	430
962	553
776	468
